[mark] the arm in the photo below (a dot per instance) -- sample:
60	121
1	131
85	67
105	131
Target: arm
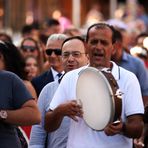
132	128
145	100
37	137
138	143
31	89
38	134
28	114
54	118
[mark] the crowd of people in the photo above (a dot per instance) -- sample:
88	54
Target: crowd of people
38	79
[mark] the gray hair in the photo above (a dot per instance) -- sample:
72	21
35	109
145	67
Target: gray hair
54	37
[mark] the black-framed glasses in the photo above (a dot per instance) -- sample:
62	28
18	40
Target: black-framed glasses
28	48
56	51
75	54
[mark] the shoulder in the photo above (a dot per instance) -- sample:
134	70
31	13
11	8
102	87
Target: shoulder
126	73
30	88
43	75
49	88
9	77
74	72
51	84
43	79
8	74
121	73
128	81
135	60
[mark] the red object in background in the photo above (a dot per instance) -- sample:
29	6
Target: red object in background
146	63
27	130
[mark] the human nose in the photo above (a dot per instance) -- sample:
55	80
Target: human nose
98	43
33	66
70	57
99	46
53	54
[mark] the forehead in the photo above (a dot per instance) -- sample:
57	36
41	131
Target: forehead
54	44
29	42
31	60
105	33
74	44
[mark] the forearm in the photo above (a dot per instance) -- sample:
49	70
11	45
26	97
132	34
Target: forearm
28	114
53	120
133	129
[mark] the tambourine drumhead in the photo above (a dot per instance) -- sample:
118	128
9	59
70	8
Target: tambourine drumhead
96	96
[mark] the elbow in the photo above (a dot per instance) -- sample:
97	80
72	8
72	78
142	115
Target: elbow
38	118
47	126
50	124
47	129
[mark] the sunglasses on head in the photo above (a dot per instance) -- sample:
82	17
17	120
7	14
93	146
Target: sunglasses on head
28	48
56	51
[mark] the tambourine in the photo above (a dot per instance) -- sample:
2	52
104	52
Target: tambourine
98	93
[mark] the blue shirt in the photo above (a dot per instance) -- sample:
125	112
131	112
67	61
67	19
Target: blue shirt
56	139
13	94
136	66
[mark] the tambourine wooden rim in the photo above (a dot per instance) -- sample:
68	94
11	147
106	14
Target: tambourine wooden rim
95	94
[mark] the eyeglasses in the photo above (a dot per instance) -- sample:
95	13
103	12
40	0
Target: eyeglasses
56	51
28	48
75	54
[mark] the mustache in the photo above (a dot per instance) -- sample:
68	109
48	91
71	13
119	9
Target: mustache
98	52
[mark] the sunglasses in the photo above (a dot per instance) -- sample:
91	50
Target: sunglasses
28	48
56	51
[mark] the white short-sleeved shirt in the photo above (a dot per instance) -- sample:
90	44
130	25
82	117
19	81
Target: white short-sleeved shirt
82	136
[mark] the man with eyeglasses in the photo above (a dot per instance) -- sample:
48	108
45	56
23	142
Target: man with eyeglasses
74	55
53	52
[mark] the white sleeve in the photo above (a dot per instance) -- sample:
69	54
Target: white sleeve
133	103
38	134
60	94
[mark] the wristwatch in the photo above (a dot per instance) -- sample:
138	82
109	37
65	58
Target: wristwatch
3	115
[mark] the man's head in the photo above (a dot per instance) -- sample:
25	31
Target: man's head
118	46
74	53
53	51
53	26
100	40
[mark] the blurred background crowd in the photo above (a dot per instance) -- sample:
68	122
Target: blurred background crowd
36	20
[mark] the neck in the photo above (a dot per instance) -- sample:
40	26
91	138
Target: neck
58	69
109	65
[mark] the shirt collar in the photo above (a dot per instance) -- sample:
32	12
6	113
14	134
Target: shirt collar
54	72
124	56
116	71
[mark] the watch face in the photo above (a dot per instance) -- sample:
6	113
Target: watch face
3	114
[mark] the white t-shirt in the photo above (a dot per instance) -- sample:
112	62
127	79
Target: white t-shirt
82	136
